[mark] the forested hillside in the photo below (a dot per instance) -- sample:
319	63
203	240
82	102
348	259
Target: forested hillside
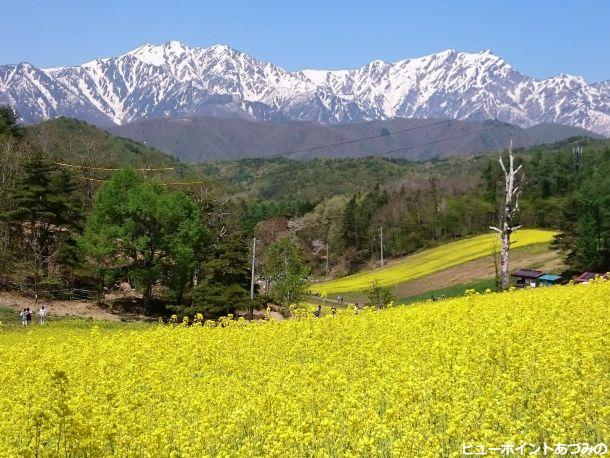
210	138
438	201
80	207
76	140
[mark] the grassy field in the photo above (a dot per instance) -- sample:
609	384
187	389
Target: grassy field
450	291
430	261
527	366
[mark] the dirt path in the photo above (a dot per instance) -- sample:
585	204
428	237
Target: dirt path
65	308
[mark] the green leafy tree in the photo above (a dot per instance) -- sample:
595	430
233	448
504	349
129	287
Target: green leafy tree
379	296
140	227
284	267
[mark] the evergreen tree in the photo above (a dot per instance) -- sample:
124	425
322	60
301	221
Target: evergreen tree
349	224
44	218
587	248
224	285
9	122
592	247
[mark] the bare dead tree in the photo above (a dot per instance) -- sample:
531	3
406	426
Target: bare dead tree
495	255
94	156
513	181
11	154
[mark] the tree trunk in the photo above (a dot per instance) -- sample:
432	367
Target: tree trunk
504	259
513	183
147	298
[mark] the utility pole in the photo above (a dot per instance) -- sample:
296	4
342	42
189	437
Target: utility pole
253	265
381	243
327	258
577	154
251	307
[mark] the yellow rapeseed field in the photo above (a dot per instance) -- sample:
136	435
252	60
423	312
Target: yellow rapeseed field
529	366
431	261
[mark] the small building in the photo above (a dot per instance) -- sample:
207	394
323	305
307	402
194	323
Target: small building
587	277
548	279
527	277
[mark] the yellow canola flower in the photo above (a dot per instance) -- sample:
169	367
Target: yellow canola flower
430	261
418	381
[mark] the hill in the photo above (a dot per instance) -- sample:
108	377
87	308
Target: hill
75	140
430	261
550	133
285	178
215	138
276	179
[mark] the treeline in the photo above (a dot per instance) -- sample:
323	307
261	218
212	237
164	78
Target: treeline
187	249
566	188
80	208
60	227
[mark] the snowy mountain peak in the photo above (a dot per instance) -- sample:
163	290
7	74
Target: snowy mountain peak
175	80
175	44
157	55
219	49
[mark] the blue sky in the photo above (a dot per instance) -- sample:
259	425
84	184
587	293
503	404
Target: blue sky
538	37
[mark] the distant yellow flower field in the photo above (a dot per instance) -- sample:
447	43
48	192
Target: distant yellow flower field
430	261
528	366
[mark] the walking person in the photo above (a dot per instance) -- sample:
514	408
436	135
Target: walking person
24	318
42	314
28	315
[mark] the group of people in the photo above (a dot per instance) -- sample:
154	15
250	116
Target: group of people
318	312
26	315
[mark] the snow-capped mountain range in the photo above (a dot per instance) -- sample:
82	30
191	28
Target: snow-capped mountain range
174	80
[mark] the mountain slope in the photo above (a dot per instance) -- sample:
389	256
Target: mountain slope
216	138
549	133
74	141
174	80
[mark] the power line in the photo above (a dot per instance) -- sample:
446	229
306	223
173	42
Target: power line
386	134
166	183
289	153
81	177
396	150
348	142
407	148
110	169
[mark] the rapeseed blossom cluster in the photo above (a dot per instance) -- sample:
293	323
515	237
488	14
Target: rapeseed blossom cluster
527	366
430	261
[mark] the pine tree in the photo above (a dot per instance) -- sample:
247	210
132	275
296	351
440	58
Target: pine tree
9	122
225	280
44	218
